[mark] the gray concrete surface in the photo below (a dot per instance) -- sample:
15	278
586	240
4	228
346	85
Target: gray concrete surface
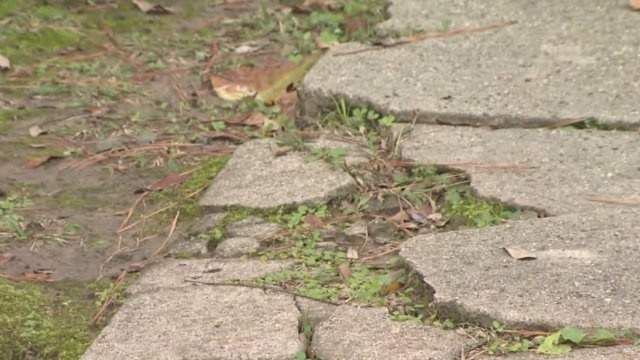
562	60
585	273
256	177
369	334
605	353
560	171
236	247
166	318
313	311
253	226
172	273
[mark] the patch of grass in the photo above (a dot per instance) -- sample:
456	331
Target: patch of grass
38	322
360	122
28	46
461	203
10	220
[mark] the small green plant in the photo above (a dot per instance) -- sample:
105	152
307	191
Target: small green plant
333	156
563	340
295	218
360	121
10	220
476	212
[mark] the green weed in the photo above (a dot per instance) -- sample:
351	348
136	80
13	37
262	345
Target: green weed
10	220
473	211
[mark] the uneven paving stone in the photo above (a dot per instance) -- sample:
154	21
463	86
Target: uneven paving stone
173	272
237	246
562	60
256	177
178	321
315	311
585	273
557	171
604	353
368	333
253	226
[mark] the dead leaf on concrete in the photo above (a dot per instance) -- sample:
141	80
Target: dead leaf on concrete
36	131
634	4
172	179
38	276
229	90
519	253
314	221
5	64
154	9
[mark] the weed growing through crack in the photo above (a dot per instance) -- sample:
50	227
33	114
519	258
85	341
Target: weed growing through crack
10	220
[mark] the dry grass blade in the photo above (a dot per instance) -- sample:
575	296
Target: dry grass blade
103	309
174	223
631	200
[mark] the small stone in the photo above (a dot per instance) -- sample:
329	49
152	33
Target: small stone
206	223
253	226
356	229
237	246
192	247
381	231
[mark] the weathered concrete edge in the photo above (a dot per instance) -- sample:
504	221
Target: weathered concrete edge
314	102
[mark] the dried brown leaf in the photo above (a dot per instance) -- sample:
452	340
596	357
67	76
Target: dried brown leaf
634	4
230	90
154	9
172	179
314	221
5	64
38	161
36	131
519	253
5	258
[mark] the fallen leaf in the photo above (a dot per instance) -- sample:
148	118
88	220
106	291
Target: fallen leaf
519	253
314	221
5	64
391	288
345	271
399	217
36	131
267	82
229	90
37	276
172	179
135	267
149	8
352	253
634	4
256	119
249	47
5	258
38	161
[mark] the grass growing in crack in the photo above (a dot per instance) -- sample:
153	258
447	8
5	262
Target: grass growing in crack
473	211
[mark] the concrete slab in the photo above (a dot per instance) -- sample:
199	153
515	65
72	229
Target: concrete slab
172	273
254	227
585	273
560	171
256	177
562	60
178	320
604	353
236	247
368	333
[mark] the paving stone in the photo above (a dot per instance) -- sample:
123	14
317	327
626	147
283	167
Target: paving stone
315	311
558	171
368	333
255	177
562	60
585	273
604	353
253	226
237	246
171	273
178	321
355	154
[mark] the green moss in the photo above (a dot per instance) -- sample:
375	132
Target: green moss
23	46
8	8
461	204
38	322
